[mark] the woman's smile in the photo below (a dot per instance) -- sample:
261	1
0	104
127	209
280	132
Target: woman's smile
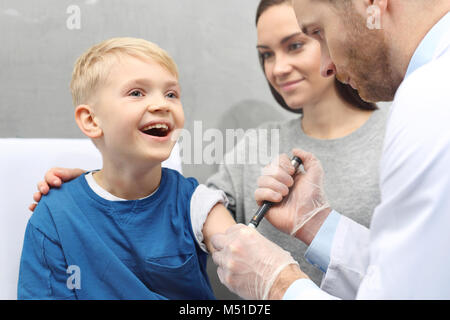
290	85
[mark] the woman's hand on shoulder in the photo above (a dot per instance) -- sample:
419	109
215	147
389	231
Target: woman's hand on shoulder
54	178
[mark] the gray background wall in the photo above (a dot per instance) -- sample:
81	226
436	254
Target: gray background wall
212	41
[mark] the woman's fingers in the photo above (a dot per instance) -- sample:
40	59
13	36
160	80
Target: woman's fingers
43	188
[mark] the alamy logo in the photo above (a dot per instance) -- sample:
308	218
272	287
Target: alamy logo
73	22
74	280
373	17
237	146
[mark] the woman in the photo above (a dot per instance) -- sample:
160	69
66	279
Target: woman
334	124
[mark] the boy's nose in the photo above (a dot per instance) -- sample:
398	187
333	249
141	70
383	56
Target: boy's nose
163	107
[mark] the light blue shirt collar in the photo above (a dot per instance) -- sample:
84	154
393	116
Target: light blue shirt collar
426	49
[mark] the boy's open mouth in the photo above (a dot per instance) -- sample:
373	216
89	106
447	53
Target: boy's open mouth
156	129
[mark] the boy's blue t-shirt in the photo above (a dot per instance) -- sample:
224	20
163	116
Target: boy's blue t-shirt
80	246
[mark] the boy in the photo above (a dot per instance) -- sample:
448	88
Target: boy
132	230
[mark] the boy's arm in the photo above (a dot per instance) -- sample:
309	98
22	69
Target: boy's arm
218	221
43	273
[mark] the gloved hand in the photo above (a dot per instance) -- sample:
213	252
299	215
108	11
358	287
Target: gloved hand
305	199
248	263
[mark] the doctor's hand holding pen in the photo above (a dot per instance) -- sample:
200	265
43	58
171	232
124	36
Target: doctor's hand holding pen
251	265
297	196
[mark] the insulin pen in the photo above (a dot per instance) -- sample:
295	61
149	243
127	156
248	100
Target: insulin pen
259	215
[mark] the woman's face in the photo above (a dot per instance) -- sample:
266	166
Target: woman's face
291	59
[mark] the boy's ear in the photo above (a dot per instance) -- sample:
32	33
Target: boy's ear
87	122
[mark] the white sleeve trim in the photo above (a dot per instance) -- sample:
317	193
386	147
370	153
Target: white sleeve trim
305	289
349	259
202	201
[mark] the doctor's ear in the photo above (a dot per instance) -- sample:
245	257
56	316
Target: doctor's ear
87	121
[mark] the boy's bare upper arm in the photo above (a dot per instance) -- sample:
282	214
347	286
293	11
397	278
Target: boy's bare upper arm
218	221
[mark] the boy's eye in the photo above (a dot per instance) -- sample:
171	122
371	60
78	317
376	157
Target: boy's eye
172	95
136	93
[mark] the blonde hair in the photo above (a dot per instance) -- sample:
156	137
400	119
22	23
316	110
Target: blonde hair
93	66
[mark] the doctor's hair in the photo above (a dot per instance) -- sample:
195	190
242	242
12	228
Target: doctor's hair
92	68
345	91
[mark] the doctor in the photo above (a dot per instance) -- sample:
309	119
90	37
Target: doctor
387	49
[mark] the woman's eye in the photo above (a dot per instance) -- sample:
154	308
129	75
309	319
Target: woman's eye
136	93
265	55
295	46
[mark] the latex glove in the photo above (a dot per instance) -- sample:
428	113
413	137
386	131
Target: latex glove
248	263
302	202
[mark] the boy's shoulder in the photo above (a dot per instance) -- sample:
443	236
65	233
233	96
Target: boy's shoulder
56	196
182	183
52	204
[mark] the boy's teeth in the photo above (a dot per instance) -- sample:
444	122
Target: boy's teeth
157	126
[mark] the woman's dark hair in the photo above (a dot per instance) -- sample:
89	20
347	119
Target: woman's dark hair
345	91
